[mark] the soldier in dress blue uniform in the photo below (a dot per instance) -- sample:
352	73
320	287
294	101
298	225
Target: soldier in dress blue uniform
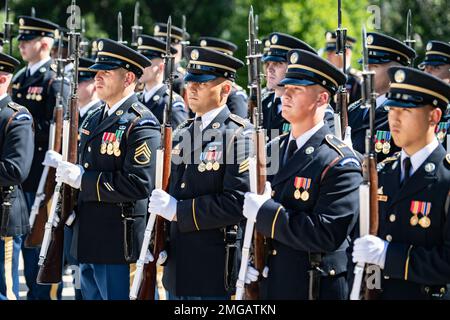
62	36
16	144
176	39
353	83
36	87
115	175
383	52
276	65
314	203
237	100
412	247
209	176
155	95
437	63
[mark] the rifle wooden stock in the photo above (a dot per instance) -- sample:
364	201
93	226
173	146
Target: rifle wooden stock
372	294
34	239
252	291
147	290
251	107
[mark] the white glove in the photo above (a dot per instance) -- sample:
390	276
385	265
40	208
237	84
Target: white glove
161	258
52	158
348	137
163	204
69	173
254	201
253	274
370	249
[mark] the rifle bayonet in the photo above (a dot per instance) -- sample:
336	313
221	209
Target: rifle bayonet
136	29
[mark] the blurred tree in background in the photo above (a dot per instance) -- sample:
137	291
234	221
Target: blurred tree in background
305	19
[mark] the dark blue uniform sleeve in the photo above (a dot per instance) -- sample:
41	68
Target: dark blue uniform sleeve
179	112
135	180
214	211
324	229
15	161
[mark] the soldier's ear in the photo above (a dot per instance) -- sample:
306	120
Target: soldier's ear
435	116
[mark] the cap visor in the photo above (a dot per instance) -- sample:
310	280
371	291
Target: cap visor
400	104
198	77
296	82
26	37
103	66
274	59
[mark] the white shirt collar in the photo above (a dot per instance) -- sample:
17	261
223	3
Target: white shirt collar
150	93
86	107
3	96
419	157
208	117
381	99
307	135
117	105
33	68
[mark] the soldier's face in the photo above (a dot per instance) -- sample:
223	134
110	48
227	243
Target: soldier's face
381	76
300	102
442	71
412	128
110	83
336	59
29	50
275	72
205	96
151	73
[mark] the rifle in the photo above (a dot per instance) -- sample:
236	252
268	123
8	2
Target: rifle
144	283
368	190
136	29
120	29
51	256
33	12
84	44
7	33
257	166
409	35
341	116
40	207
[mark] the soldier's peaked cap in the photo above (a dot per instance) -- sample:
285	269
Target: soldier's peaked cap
437	53
206	64
412	88
383	49
218	44
30	28
112	55
306	68
152	47
7	63
281	44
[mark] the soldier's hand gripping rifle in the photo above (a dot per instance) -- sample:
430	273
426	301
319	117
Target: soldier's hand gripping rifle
136	29
51	255
410	42
41	204
368	190
144	283
257	168
7	32
120	29
341	116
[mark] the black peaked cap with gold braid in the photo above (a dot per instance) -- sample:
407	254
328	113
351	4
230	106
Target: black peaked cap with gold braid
8	64
218	44
176	36
384	49
306	69
153	47
206	64
437	53
30	28
112	55
412	88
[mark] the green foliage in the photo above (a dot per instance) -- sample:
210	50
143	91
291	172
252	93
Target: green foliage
305	19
